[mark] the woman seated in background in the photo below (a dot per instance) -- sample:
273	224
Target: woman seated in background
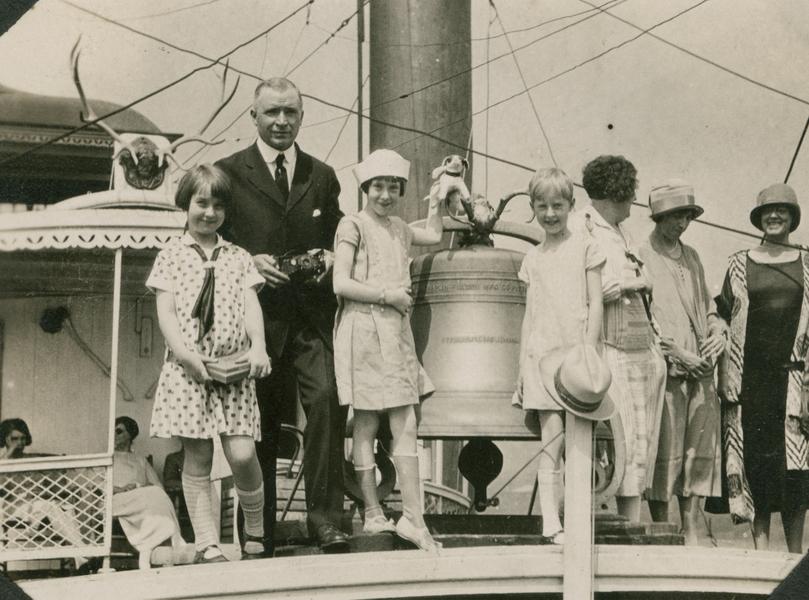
33	509
139	502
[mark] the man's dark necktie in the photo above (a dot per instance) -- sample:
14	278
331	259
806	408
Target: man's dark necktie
281	176
203	307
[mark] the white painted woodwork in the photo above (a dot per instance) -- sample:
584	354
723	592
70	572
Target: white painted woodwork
415	574
578	547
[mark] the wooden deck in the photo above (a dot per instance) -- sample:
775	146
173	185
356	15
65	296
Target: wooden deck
492	571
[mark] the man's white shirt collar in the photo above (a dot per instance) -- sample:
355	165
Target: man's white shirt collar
269	154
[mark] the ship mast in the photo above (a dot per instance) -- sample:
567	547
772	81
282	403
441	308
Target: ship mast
413	45
424	47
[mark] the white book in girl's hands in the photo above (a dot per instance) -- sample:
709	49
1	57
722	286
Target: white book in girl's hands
230	368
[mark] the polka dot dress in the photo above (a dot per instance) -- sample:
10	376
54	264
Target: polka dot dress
183	407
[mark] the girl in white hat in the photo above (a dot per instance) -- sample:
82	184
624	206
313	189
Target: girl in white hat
375	359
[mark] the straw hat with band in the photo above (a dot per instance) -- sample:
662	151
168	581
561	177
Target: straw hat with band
776	194
578	380
382	163
673	195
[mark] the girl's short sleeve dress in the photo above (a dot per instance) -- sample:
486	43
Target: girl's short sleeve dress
182	406
555	308
375	359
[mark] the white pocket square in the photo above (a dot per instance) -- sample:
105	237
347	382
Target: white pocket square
316	213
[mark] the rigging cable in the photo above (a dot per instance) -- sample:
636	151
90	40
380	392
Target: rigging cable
601	54
702	58
345	22
524	84
297	42
797	151
342	25
485	63
488	99
203	149
490	106
496	58
159	90
486	155
62	136
345	122
172	11
412	66
542	23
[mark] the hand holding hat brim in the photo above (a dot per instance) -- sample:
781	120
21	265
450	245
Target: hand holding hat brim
578	379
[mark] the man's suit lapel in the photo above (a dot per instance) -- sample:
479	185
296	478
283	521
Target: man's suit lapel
258	174
301	180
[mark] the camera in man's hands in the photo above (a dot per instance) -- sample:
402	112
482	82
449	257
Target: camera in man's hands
303	267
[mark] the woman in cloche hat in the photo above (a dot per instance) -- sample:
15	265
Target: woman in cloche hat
765	300
374	354
688	461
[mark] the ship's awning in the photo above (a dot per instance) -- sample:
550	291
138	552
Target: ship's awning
114	219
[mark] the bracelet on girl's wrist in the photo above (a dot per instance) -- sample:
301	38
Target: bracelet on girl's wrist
382	299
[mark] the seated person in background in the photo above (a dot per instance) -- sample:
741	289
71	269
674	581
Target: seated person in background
27	507
139	501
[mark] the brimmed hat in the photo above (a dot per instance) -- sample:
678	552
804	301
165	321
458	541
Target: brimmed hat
382	163
777	193
671	195
578	380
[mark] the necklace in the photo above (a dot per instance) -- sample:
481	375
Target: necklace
675	252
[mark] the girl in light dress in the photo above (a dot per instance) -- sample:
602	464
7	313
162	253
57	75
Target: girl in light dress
563	308
207	307
375	359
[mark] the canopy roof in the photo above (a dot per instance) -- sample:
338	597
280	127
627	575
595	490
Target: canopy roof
111	219
20	108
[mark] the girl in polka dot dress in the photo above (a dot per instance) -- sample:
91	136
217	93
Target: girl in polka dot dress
207	306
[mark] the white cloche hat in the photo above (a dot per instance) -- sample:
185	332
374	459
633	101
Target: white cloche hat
382	163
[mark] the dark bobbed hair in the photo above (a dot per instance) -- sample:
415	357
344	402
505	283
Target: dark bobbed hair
130	425
609	177
9	425
402	183
206	178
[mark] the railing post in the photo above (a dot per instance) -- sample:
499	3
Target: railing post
578	549
116	316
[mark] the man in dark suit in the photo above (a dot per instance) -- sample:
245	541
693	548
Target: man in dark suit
285	201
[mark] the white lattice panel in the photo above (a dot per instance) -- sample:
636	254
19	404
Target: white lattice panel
56	507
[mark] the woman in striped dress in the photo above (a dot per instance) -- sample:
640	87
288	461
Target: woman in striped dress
765	299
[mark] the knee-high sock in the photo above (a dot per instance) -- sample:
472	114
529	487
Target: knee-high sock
252	504
366	476
197	491
548	494
407	467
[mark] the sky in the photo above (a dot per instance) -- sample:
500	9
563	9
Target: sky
671	113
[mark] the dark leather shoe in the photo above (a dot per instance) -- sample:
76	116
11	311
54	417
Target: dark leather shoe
331	540
255	555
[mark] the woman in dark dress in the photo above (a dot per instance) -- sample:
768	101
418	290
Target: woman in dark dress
764	299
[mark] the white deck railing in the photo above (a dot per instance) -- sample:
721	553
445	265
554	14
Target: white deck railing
55	507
